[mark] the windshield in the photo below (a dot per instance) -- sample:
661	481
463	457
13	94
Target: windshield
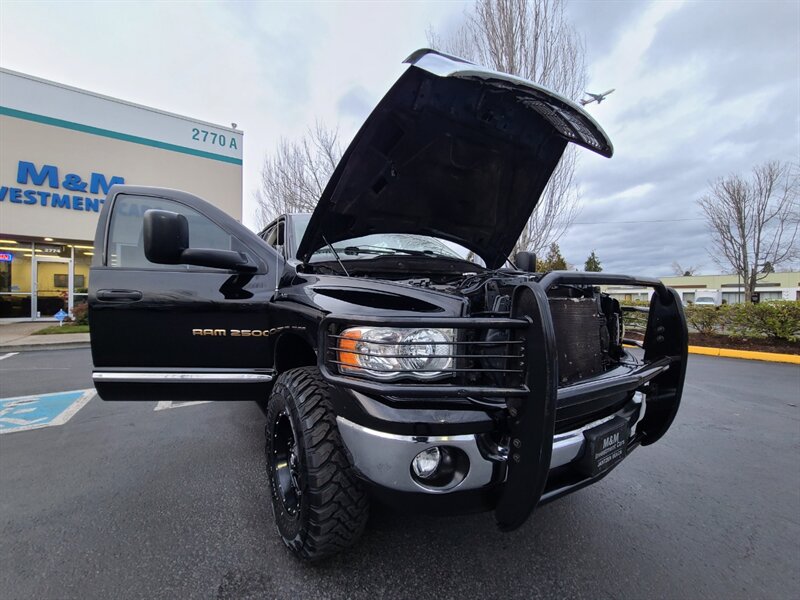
379	244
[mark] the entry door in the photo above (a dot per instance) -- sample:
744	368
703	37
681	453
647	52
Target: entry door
51	286
172	332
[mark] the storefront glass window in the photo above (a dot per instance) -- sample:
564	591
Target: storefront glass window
15	280
765	296
44	250
732	297
82	262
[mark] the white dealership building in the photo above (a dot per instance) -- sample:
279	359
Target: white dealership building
61	148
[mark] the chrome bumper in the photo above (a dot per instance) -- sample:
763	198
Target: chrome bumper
385	458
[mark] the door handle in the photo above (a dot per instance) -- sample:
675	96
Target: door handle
119	295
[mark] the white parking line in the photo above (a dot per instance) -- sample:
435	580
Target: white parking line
8	355
168	404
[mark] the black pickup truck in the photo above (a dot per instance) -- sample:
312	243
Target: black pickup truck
390	366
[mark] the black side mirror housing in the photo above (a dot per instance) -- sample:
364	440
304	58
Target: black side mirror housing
166	236
526	261
166	242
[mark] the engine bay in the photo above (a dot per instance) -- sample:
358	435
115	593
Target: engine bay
588	323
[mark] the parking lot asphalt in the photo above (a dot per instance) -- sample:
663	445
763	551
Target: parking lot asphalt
126	501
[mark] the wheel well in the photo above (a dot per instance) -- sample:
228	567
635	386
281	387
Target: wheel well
292	351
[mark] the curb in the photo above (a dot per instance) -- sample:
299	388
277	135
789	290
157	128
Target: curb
49	346
793	359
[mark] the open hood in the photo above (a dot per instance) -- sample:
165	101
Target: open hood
453	151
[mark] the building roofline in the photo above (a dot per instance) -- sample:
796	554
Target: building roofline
118	100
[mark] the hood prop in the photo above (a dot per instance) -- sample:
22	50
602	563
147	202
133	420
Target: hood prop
336	254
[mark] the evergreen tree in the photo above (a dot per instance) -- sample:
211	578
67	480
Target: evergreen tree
553	261
592	263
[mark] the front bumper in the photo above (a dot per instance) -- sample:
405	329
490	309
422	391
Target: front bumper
384	459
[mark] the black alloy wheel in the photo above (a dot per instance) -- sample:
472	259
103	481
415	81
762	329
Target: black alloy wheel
320	505
284	465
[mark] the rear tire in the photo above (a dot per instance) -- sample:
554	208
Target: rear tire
320	507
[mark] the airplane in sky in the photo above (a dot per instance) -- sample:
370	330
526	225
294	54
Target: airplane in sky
595	97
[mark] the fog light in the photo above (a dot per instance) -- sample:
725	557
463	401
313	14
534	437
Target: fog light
426	462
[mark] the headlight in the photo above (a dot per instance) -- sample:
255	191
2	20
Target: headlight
394	352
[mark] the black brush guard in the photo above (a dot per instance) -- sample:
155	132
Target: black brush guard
530	361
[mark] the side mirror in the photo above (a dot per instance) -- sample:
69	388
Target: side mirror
166	242
526	261
166	236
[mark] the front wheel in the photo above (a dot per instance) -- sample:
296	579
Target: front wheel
320	506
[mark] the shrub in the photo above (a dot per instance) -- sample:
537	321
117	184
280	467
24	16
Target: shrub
726	315
80	314
778	319
635	320
642	303
704	319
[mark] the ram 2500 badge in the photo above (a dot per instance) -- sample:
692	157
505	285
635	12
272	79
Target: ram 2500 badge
389	365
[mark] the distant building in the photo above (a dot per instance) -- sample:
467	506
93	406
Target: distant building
723	289
61	148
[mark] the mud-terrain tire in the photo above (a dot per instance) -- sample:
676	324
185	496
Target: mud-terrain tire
320	506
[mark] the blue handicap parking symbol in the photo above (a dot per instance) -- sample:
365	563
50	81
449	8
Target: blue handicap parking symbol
43	410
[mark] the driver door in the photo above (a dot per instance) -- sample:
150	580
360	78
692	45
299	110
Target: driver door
178	331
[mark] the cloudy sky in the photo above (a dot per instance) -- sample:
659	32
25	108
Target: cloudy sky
703	89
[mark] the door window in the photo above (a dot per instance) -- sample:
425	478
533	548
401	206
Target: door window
52	286
126	240
274	235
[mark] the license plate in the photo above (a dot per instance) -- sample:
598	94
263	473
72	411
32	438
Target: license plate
606	445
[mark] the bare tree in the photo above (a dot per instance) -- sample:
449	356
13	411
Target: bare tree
680	271
534	40
293	177
754	222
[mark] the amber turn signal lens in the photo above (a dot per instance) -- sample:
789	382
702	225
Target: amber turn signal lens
347	346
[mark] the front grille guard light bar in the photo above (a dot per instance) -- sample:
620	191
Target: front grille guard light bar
443	387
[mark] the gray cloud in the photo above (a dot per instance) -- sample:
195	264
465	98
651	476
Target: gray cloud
356	103
744	45
600	23
715	91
